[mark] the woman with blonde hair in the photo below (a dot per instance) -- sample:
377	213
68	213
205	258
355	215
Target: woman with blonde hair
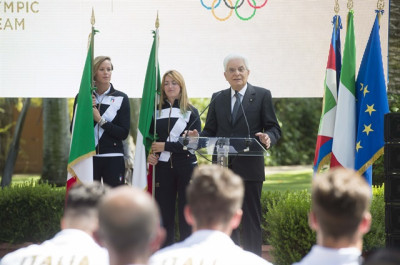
174	166
111	116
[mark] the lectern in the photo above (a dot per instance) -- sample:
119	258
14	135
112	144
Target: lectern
223	147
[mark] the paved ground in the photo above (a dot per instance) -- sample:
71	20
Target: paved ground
272	170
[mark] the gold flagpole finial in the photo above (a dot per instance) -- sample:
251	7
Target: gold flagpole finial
380	5
157	21
336	8
92	20
350	4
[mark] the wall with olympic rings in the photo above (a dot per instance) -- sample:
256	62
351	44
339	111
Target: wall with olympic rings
233	6
286	41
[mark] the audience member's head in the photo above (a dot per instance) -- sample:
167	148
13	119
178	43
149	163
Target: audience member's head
129	225
214	199
340	208
81	207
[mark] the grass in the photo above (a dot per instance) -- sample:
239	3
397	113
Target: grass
288	180
292	180
22	178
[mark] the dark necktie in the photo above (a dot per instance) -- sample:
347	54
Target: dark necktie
235	107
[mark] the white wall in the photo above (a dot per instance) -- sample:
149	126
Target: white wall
287	43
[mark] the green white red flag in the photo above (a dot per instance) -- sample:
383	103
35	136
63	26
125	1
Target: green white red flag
144	137
82	149
344	136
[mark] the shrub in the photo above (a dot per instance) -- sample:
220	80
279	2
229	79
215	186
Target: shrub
286	224
268	198
30	212
375	238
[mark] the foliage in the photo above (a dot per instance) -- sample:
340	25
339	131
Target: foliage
375	238
268	198
299	121
394	101
30	212
285	224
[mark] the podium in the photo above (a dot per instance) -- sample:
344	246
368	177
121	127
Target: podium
222	148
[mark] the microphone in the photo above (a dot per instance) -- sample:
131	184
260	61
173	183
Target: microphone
185	139
248	141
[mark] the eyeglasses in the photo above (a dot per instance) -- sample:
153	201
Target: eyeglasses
240	70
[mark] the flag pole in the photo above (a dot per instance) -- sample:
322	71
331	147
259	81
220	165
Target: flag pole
157	24
92	21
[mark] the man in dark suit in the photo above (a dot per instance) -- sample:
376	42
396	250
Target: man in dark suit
262	123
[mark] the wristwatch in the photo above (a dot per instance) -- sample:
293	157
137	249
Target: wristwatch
101	122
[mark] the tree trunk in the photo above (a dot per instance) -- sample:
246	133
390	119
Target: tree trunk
6	126
56	140
394	48
135	109
14	147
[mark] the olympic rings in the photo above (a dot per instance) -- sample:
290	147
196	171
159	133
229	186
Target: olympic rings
207	7
248	1
250	17
233	7
221	19
228	3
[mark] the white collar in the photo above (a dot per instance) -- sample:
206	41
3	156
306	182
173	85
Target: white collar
105	93
241	92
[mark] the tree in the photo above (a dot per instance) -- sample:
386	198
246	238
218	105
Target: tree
394	57
56	140
14	146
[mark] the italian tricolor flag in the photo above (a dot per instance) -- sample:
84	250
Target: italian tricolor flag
323	148
344	136
82	149
144	137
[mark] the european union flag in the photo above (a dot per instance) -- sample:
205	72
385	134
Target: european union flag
372	104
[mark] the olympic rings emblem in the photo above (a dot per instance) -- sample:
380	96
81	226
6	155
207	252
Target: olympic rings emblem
228	4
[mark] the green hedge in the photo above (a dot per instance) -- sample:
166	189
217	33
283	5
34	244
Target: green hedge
30	212
286	227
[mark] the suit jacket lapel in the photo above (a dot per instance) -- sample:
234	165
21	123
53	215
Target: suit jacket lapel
226	101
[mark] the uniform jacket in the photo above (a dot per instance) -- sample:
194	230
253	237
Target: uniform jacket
116	110
171	124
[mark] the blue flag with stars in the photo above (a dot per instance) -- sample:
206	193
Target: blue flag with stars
372	104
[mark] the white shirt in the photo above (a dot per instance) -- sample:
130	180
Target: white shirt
69	246
331	256
233	98
206	247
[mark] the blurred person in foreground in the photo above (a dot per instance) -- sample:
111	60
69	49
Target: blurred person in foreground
74	244
214	197
384	256
340	202
129	226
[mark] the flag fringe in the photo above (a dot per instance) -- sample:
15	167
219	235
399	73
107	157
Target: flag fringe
79	159
324	161
371	161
